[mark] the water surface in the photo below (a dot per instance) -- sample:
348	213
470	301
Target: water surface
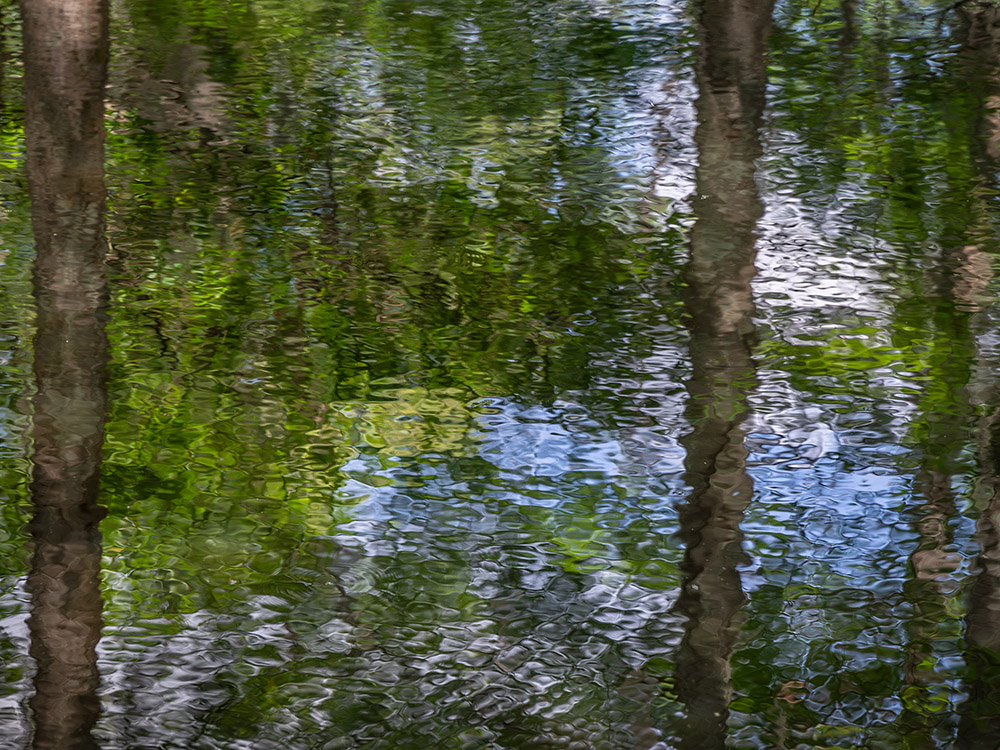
568	374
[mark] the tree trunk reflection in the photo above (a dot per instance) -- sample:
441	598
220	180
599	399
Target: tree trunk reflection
945	424
731	77
65	50
979	723
979	726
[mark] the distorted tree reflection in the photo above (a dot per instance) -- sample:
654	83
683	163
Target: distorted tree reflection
731	77
943	427
979	725
946	317
979	722
66	51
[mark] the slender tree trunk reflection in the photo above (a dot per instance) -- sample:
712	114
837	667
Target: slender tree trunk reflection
849	29
945	423
929	592
979	725
980	49
65	51
979	722
731	78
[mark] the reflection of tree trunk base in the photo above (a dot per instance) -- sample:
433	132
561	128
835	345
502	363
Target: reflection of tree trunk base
642	689
65	626
979	727
980	713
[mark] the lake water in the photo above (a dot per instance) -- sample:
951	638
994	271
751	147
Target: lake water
514	375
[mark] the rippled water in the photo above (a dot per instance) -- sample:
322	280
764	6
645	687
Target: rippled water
567	374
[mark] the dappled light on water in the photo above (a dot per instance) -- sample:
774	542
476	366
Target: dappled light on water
569	374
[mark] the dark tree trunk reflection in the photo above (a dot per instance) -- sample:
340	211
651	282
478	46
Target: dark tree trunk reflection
980	50
979	722
979	726
731	76
65	50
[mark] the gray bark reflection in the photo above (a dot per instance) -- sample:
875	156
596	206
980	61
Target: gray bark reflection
65	51
731	77
979	723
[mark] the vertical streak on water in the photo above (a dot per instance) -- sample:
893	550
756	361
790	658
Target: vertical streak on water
944	417
981	50
979	723
979	726
65	56
849	29
929	593
731	76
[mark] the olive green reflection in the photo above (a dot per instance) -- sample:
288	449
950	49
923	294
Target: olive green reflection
432	323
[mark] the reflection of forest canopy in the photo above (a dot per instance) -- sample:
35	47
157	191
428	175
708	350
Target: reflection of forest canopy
335	225
389	283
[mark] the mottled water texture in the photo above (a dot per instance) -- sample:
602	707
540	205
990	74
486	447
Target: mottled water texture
501	375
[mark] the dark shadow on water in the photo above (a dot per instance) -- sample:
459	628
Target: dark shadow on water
66	50
731	76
